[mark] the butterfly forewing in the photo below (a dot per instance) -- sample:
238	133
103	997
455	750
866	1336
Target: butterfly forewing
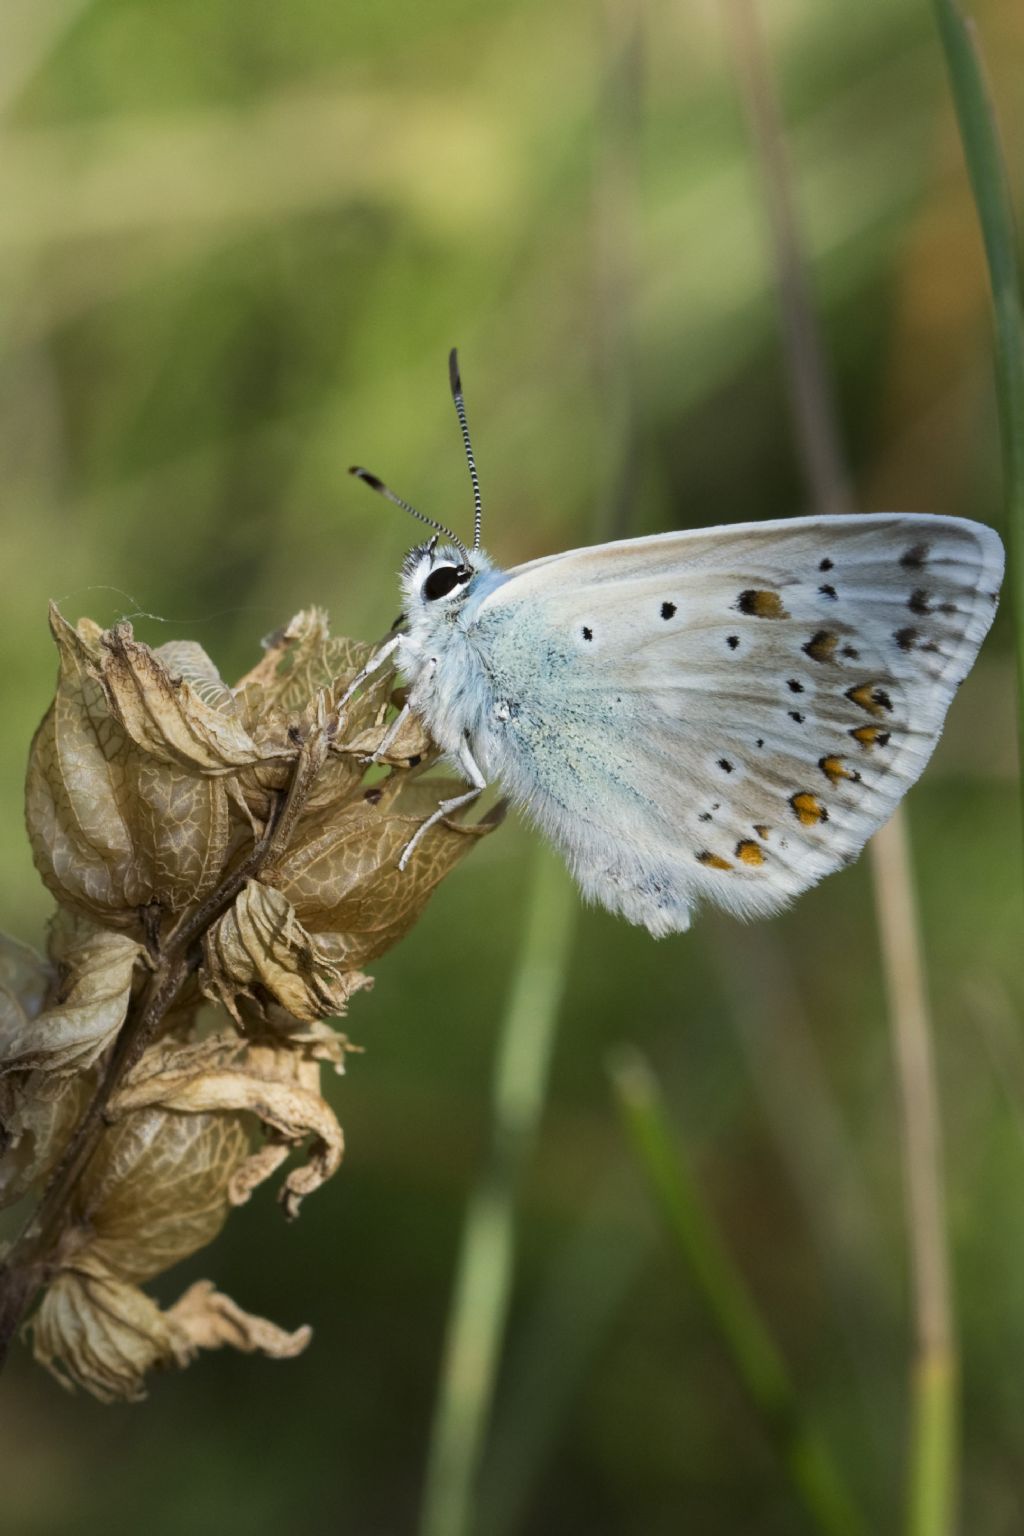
729	714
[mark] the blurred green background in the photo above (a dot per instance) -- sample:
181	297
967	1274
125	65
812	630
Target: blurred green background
236	243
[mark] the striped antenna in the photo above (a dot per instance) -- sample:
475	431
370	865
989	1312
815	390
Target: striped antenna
383	490
455	380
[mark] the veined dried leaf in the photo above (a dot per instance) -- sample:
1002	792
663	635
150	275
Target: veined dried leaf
342	875
38	1112
95	1330
279	1085
157	1187
165	715
95	967
260	945
206	1319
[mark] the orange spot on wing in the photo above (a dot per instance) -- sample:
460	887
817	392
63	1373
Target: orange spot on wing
762	831
712	861
749	853
822	646
808	809
869	736
761	605
835	769
870	697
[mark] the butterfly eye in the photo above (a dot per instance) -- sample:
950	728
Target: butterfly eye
443	579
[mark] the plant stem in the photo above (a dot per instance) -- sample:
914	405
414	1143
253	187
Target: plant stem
698	1243
990	186
486	1258
931	1483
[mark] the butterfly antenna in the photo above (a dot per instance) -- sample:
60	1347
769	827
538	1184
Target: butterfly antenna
383	490
455	380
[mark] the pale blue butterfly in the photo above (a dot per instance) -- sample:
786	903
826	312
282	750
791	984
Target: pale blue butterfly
726	714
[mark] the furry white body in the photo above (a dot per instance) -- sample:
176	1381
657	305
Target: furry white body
722	715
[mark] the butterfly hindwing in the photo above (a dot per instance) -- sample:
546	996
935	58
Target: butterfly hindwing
729	714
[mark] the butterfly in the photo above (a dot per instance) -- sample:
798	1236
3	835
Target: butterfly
722	715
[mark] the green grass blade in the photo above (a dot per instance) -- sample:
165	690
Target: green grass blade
814	1474
990	185
483	1284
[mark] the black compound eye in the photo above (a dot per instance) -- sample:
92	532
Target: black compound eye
442	579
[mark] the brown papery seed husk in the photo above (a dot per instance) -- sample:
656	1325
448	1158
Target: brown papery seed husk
157	1188
278	1085
342	876
260	945
38	1112
96	969
112	828
167	718
98	1331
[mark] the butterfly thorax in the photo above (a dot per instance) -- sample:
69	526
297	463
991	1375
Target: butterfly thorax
438	656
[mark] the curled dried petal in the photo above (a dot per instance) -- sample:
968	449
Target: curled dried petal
277	1085
95	968
206	1319
97	1331
259	945
165	715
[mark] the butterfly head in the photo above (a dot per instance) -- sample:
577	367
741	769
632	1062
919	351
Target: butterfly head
437	579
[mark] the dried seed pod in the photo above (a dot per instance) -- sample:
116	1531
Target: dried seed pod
342	874
97	1331
157	1188
278	1084
38	1112
93	970
260	947
112	827
174	818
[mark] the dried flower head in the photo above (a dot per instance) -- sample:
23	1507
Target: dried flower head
226	850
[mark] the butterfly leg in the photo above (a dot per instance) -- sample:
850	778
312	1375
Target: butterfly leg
470	767
389	735
374	664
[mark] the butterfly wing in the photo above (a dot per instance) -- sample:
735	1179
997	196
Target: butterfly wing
729	714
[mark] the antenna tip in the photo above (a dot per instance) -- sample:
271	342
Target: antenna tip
364	474
454	377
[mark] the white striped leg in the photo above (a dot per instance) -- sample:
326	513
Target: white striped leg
375	662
